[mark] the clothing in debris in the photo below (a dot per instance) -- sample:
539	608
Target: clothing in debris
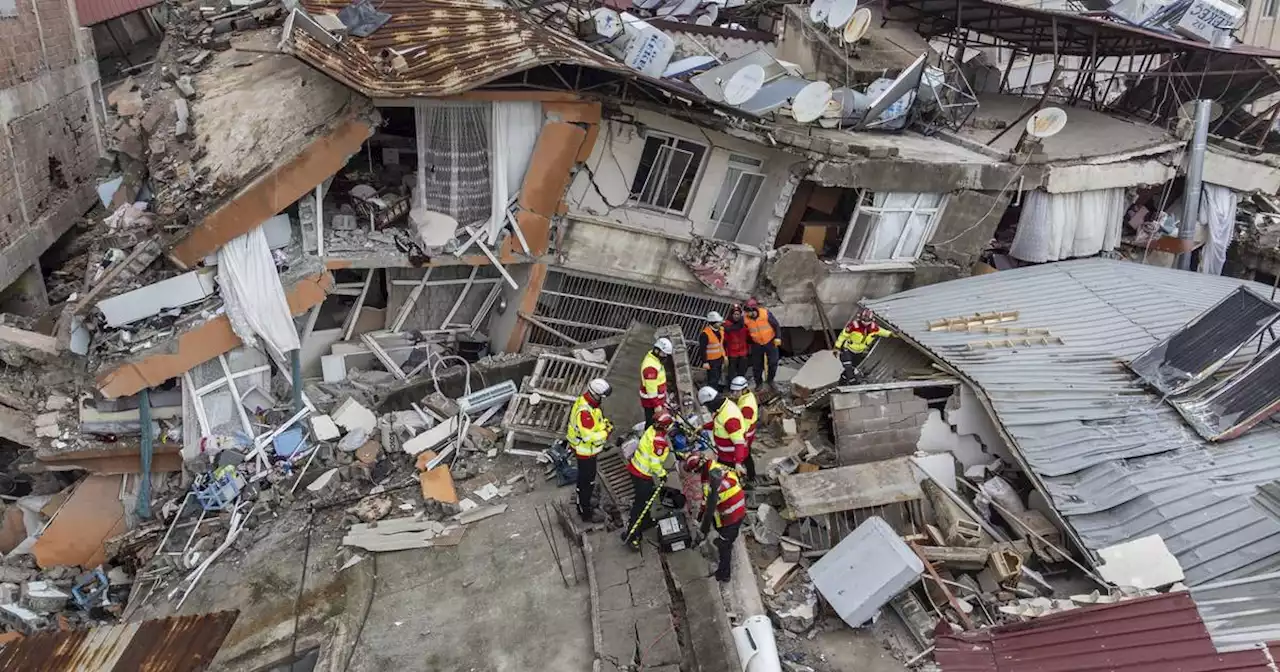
653	384
588	431
711	345
728	431
762	330
725	502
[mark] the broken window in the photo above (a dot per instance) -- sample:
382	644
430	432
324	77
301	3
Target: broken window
738	193
668	169
891	226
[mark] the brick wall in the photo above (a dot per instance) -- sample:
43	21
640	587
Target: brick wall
48	142
873	426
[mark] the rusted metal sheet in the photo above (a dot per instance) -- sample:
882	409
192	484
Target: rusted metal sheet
1150	634
91	12
177	644
449	47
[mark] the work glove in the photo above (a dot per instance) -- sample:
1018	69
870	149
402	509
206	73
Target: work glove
706	366
777	341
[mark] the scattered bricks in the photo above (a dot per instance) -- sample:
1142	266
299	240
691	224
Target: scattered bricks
182	128
200	58
788	427
129	104
152	119
185	87
57	402
224	25
245	23
119	92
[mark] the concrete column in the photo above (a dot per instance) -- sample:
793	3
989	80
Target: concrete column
27	295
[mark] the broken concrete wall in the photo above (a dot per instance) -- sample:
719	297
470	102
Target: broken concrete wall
50	131
794	272
966	225
878	425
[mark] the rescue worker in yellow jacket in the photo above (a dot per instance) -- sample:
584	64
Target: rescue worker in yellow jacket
653	378
747	404
587	434
728	429
858	336
725	502
648	472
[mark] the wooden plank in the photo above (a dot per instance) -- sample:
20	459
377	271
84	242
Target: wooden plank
437	484
857	486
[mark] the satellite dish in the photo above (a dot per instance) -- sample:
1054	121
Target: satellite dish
851	104
710	12
774	95
840	13
857	26
743	84
809	104
902	85
712	82
1046	122
819	10
1188	110
688	65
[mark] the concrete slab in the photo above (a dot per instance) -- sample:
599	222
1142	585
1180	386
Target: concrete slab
854	487
821	371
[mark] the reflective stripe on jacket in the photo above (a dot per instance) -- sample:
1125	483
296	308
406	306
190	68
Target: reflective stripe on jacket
731	501
587	432
859	340
750	409
758	328
653	381
715	343
729	432
646	462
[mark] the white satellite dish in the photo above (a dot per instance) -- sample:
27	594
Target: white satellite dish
840	13
1046	122
712	82
904	83
710	12
688	65
819	10
774	95
744	84
810	103
848	103
857	26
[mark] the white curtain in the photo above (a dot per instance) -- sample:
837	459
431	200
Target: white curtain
453	160
512	136
1218	214
254	298
1062	226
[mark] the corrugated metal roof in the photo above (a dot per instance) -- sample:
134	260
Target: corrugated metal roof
91	12
177	644
1163	633
1117	462
1242	612
451	46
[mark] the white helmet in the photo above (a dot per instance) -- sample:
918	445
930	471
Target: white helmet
738	384
599	388
664	346
713	316
707	394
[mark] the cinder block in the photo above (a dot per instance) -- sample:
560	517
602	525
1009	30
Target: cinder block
904	394
915	406
839	402
857	413
878	397
891	410
876	424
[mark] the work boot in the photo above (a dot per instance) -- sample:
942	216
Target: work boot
588	516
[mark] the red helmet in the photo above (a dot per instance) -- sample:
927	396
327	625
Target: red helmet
752	303
865	315
662	419
694	462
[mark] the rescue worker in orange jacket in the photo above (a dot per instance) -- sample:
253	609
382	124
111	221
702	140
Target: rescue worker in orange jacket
728	429
588	431
711	345
653	378
763	331
648	472
747	404
725	502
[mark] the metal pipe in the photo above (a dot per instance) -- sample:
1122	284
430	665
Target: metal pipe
295	361
144	489
1195	174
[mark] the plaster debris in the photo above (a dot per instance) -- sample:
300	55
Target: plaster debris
323	428
351	416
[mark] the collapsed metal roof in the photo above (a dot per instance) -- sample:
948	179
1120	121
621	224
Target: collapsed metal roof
1116	461
177	644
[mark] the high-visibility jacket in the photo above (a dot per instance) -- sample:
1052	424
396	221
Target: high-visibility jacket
859	338
750	409
653	381
735	340
715	343
731	500
729	433
652	450
758	328
587	428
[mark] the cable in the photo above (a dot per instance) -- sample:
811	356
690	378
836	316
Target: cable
364	618
1016	174
302	585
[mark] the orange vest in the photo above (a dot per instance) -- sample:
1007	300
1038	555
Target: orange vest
715	343
759	329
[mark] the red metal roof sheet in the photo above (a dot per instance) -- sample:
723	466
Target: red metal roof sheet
176	644
97	11
1163	633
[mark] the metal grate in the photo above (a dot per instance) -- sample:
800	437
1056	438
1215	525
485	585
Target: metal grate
562	377
587	308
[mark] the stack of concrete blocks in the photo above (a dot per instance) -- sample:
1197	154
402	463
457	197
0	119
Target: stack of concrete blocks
874	426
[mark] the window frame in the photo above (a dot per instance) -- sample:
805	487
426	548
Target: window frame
865	198
634	198
741	163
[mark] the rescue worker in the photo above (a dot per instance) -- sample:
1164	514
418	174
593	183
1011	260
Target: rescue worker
725	502
736	344
653	378
762	331
728	430
745	399
648	472
858	336
711	345
588	431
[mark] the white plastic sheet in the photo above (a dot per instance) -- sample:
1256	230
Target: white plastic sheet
1218	214
1061	226
512	136
255	299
